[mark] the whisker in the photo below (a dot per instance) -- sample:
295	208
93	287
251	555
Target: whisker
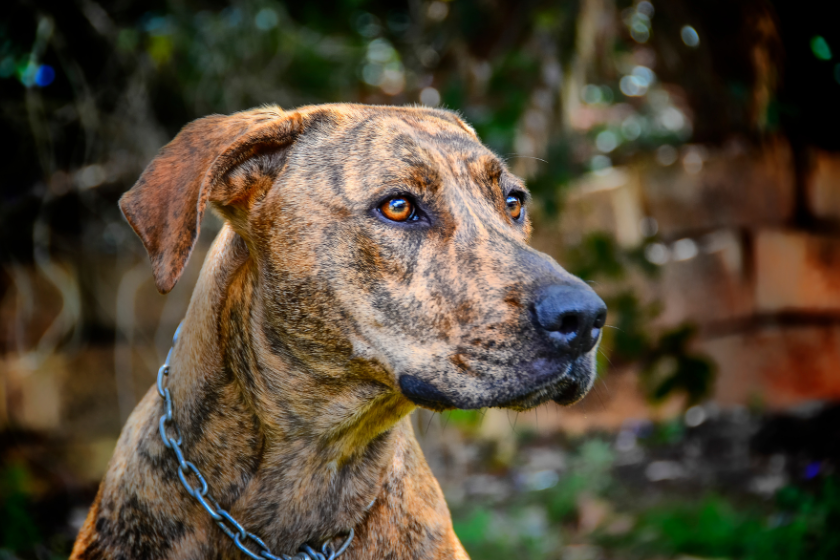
529	157
600	398
604	354
606	386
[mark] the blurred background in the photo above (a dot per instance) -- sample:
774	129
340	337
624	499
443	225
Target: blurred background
683	157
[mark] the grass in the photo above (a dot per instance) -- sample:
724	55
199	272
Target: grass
800	523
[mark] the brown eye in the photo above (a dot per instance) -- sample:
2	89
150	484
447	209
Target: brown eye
398	209
514	206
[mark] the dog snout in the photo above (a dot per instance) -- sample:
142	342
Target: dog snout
573	317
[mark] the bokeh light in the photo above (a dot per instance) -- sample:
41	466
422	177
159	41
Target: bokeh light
437	11
430	97
666	155
684	249
640	31
266	19
631	127
820	48
591	94
600	163
44	76
646	8
657	253
689	36
606	141
633	86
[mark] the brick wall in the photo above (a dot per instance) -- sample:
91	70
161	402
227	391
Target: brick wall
764	291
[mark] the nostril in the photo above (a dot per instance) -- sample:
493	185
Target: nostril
600	319
569	324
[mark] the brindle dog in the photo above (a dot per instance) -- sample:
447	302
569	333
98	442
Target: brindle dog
373	259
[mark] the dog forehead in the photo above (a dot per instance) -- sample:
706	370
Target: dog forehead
394	135
365	148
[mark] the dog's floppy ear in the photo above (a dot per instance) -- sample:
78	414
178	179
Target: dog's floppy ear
167	203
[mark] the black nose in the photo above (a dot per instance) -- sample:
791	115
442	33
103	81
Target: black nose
573	316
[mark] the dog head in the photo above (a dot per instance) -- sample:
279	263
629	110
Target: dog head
388	243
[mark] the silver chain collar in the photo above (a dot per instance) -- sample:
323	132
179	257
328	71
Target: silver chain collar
223	519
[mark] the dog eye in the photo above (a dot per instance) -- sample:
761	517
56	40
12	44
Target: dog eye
398	209
514	206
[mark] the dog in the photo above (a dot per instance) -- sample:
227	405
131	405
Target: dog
372	260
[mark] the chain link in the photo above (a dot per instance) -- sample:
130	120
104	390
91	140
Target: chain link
186	470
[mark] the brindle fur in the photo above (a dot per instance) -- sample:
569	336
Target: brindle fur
309	314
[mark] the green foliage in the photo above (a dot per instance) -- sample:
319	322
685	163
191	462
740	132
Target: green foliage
670	367
820	48
629	337
814	515
18	531
801	523
529	525
473	529
468	420
666	433
561	501
480	535
803	526
711	529
598	256
589	473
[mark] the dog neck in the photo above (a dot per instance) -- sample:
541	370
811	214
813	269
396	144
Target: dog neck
278	454
300	451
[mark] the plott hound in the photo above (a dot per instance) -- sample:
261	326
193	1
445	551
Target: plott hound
373	259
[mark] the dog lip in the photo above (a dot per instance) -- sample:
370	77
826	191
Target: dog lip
546	388
564	388
424	394
563	381
582	378
569	394
542	387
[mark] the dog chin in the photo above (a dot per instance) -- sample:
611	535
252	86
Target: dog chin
567	389
563	382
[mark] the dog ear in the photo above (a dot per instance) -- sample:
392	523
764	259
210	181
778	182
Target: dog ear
166	205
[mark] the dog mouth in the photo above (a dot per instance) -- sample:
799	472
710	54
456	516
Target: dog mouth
566	384
567	389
